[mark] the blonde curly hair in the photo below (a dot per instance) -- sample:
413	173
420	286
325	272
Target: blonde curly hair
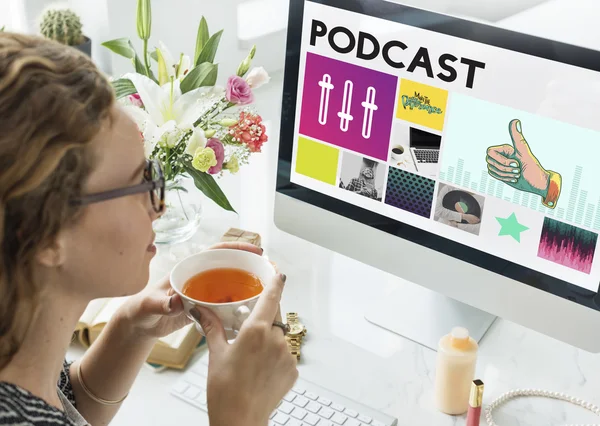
53	101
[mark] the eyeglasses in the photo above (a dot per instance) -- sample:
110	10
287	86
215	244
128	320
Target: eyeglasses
154	182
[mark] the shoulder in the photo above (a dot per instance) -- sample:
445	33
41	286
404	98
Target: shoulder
19	407
64	382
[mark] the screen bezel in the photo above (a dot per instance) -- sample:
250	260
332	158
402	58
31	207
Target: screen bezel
452	26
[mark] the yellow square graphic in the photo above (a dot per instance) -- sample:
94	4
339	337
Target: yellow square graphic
422	104
317	161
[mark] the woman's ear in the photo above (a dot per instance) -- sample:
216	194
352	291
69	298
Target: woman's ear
53	254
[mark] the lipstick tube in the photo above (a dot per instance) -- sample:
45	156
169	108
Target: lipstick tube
475	403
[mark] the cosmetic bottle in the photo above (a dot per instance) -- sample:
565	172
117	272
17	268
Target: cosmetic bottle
475	403
455	371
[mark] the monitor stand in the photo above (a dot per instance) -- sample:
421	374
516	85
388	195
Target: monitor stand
424	316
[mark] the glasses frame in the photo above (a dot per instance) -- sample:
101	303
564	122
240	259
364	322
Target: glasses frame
148	186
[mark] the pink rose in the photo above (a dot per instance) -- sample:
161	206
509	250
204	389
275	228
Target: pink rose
136	100
216	145
238	91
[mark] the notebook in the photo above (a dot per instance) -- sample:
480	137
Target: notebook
172	351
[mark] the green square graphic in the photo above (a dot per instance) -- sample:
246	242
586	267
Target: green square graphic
317	161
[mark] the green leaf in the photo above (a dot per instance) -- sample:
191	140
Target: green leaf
154	55
124	47
121	46
123	87
139	66
209	187
201	38
177	188
210	49
202	75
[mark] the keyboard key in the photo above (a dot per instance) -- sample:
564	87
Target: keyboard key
313	407
311	419
352	422
339	419
181	387
286	407
311	395
299	413
201	398
365	419
273	414
300	401
299	391
325	423
326	413
281	419
201	369
324	401
338	407
377	423
192	392
290	397
293	422
350	413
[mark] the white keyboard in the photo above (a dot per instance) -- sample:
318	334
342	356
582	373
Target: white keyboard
307	404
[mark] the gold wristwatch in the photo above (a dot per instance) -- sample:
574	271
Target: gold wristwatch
296	333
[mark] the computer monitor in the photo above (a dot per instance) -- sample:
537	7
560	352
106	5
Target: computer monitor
509	226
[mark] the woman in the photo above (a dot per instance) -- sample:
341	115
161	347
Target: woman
66	239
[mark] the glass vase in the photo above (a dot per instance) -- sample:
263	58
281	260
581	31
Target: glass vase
183	213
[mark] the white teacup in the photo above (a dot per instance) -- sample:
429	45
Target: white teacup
231	314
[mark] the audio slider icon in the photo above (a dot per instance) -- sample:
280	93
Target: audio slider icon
344	114
370	107
326	87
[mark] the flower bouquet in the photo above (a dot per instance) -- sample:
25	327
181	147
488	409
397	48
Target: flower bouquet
195	128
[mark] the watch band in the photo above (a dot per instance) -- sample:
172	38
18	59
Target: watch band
294	342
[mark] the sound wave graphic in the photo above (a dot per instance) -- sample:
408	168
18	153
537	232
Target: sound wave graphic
567	245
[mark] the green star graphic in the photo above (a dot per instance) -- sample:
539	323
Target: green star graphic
510	226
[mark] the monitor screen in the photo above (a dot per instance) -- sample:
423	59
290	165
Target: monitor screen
423	139
513	188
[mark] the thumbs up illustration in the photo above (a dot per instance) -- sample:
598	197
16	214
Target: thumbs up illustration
516	165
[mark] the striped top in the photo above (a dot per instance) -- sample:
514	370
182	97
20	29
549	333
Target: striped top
19	407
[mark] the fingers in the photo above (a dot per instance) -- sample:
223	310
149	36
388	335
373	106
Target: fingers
516	133
175	305
504	175
267	305
501	155
238	245
501	176
212	327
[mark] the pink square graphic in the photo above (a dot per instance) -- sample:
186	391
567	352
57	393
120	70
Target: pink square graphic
348	106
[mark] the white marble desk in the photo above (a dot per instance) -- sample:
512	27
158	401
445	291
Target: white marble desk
347	354
362	361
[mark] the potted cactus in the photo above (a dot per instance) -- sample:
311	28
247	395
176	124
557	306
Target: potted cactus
64	26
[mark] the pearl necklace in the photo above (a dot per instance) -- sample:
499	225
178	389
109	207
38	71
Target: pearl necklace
538	392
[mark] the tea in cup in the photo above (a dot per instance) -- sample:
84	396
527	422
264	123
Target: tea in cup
226	281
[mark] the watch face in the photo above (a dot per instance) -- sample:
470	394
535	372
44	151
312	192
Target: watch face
296	329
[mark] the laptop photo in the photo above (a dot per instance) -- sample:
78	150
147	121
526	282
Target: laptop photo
425	150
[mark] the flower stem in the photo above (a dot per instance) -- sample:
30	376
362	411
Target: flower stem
146	57
182	208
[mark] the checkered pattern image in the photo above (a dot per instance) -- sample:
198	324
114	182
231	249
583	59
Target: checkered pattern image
409	192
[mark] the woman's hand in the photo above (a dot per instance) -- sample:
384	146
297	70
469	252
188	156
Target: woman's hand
248	378
157	311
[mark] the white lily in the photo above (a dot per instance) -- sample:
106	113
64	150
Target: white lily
167	109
